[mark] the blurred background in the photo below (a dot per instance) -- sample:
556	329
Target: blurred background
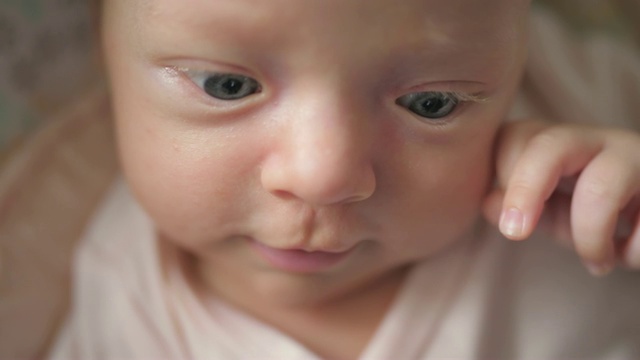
45	58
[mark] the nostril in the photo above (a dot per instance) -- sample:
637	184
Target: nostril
282	194
324	185
355	198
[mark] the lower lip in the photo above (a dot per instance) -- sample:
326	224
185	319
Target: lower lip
299	260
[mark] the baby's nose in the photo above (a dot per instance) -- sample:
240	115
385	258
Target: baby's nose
323	155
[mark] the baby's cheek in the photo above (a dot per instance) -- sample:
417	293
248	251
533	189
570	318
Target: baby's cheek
443	204
188	188
463	188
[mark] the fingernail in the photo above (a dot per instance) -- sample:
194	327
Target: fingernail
599	270
512	223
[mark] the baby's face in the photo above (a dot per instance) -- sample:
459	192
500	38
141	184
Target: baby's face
302	148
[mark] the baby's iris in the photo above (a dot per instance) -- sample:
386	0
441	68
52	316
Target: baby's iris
225	86
230	86
430	105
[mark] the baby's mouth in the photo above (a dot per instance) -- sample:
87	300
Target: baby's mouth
298	260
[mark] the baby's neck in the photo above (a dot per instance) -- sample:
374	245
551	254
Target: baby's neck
344	328
339	328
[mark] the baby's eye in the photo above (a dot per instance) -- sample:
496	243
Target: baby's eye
226	86
430	105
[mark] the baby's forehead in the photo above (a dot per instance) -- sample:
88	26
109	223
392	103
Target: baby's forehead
449	14
457	21
471	40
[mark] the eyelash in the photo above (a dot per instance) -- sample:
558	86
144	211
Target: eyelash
436	107
463	97
460	99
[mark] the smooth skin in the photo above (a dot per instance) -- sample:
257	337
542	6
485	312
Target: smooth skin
326	154
584	181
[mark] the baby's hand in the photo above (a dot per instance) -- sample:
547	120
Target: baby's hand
580	183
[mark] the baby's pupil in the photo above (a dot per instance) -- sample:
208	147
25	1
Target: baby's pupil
433	105
232	86
224	86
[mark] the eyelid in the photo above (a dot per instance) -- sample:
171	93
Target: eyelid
197	73
463	90
190	72
187	65
461	99
458	96
181	75
466	97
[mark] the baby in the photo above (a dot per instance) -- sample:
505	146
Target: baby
310	177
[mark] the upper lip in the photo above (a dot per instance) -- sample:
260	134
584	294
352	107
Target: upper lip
316	231
311	249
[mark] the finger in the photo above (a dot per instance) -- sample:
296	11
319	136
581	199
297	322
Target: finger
548	157
513	138
631	251
603	190
492	205
556	221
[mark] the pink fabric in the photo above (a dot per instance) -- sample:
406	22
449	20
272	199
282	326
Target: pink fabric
482	299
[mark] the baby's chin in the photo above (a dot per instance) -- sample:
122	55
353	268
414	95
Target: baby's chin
289	291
